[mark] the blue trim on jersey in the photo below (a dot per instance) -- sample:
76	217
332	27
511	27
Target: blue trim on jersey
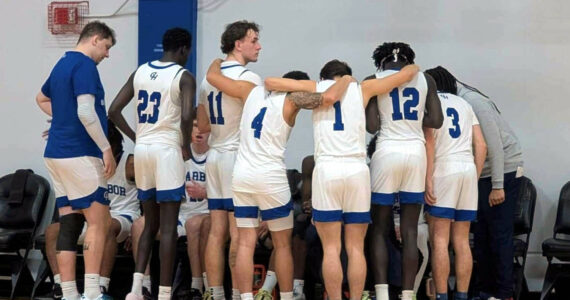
221	204
173	195
394	69
146	195
243	72
159	67
179	223
61	202
327	215
383	198
250	212
127	217
411	197
356	217
230	66
198	162
100	195
460	215
277	212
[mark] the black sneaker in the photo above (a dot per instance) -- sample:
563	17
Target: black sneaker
195	294
56	292
146	294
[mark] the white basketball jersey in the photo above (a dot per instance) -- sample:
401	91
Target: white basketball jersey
157	91
402	110
224	111
339	129
455	137
196	171
122	192
260	165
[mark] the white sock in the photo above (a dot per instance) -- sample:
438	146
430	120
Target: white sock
298	285
381	292
197	283
217	293
235	294
104	282
205	278
164	292
57	279
269	282
246	296
286	295
69	290
407	295
92	289
146	282
137	284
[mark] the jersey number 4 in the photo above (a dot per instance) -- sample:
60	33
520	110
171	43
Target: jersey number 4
154	100
411	102
257	123
220	119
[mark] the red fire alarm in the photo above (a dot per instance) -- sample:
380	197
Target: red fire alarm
67	17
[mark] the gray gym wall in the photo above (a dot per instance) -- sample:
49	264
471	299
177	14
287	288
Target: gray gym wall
514	51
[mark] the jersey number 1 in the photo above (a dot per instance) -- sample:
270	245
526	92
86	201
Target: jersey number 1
257	123
338	124
220	119
141	107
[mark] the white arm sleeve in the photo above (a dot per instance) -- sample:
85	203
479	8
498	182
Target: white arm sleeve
88	117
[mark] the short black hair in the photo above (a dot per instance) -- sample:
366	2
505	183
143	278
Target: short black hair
443	79
387	50
235	32
176	38
334	68
97	28
114	136
297	75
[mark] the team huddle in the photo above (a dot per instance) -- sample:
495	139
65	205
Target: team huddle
213	168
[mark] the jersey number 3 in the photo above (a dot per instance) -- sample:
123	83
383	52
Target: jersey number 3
257	123
454	132
413	101
154	99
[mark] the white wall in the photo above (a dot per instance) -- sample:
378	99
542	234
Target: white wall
514	51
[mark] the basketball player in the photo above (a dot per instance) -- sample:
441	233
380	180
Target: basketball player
221	115
124	209
78	156
194	216
398	167
460	152
340	189
165	93
498	189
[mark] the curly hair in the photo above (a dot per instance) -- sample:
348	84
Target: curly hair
235	32
392	50
175	38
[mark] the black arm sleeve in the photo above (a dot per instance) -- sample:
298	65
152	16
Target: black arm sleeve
433	117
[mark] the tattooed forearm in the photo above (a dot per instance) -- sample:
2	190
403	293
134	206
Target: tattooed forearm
306	100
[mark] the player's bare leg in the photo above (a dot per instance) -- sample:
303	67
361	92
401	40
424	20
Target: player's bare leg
354	245
329	233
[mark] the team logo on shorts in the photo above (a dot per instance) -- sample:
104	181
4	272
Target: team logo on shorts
153	75
106	195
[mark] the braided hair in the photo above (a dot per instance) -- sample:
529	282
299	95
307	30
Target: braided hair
447	83
392	52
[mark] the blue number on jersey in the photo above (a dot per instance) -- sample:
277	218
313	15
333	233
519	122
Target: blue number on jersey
142	106
220	119
257	123
409	104
338	124
456	131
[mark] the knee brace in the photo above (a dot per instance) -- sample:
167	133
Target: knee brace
70	228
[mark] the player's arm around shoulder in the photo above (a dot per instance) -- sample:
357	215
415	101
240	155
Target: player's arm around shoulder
123	98
433	116
290	85
375	87
234	88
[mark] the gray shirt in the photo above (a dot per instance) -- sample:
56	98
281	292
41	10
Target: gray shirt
504	153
